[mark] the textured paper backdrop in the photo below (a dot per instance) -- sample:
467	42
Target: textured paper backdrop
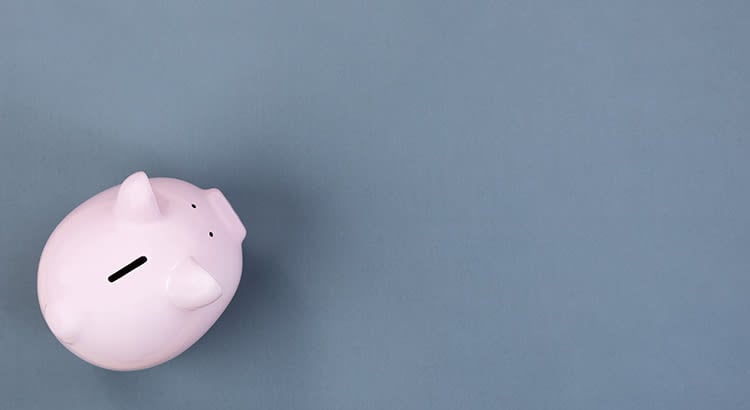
477	205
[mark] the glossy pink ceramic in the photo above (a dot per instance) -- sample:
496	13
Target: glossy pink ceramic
135	275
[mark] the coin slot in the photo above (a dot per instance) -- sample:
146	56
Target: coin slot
127	269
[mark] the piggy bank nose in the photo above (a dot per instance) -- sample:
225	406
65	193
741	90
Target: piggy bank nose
226	213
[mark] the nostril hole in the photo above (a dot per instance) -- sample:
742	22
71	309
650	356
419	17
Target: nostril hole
193	205
211	234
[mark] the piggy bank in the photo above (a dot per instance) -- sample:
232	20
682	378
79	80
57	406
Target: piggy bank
135	275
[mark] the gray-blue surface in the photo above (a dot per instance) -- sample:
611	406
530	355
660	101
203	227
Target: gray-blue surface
479	205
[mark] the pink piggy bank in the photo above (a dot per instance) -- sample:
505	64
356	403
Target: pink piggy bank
138	273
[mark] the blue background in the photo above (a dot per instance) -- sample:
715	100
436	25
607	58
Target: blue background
480	205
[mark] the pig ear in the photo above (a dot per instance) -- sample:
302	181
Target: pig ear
63	322
190	287
136	200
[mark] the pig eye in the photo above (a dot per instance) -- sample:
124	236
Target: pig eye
193	205
127	269
211	234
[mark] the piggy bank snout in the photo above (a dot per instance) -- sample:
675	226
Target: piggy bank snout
226	213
